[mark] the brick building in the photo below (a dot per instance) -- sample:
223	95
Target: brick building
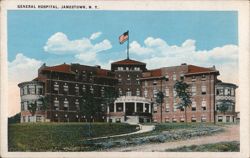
64	86
134	86
202	86
225	94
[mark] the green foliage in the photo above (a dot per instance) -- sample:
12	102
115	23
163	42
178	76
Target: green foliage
159	97
15	119
233	146
45	102
182	90
59	136
32	107
224	106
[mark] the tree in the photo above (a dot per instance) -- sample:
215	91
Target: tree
182	90
159	100
32	107
224	106
109	97
45	102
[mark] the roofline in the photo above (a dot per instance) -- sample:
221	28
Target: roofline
27	82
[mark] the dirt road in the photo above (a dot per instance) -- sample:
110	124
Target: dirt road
231	133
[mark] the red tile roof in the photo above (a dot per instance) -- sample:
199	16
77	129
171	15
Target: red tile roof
65	68
197	69
155	72
128	62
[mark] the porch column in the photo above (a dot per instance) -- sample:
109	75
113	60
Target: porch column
135	105
114	107
108	109
144	108
124	107
149	106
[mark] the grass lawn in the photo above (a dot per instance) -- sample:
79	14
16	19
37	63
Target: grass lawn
217	147
58	136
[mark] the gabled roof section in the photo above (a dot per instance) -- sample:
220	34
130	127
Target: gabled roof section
192	69
128	62
64	68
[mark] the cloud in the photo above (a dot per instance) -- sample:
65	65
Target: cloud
158	53
83	49
95	35
20	69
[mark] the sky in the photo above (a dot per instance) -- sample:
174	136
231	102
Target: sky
90	37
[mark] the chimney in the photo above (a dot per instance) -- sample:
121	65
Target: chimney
184	64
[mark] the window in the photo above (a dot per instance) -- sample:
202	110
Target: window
127	68
193	78
128	93
65	87
203	77
119	80
174	77
56	102
167	92
77	89
203	90
138	81
25	106
56	86
167	107
120	91
145	93
227	118
91	89
137	92
232	92
203	118
182	77
155	107
38	119
193	90
174	93
77	104
39	91
145	83
84	88
193	106
220	118
25	90
32	89
182	119
204	105
65	104
193	119
166	77
155	82
174	120
155	93
175	106
102	92
167	120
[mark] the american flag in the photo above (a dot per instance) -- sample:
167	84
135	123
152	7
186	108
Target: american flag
123	37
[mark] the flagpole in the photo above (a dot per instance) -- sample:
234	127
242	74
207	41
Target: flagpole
128	47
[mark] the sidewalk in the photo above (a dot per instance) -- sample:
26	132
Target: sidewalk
143	129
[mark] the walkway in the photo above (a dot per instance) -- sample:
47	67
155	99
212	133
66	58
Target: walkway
143	129
231	133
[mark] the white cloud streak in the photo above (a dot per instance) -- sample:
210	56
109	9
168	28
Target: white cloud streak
83	49
20	69
157	53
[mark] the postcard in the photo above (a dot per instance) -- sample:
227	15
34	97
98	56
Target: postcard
125	78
